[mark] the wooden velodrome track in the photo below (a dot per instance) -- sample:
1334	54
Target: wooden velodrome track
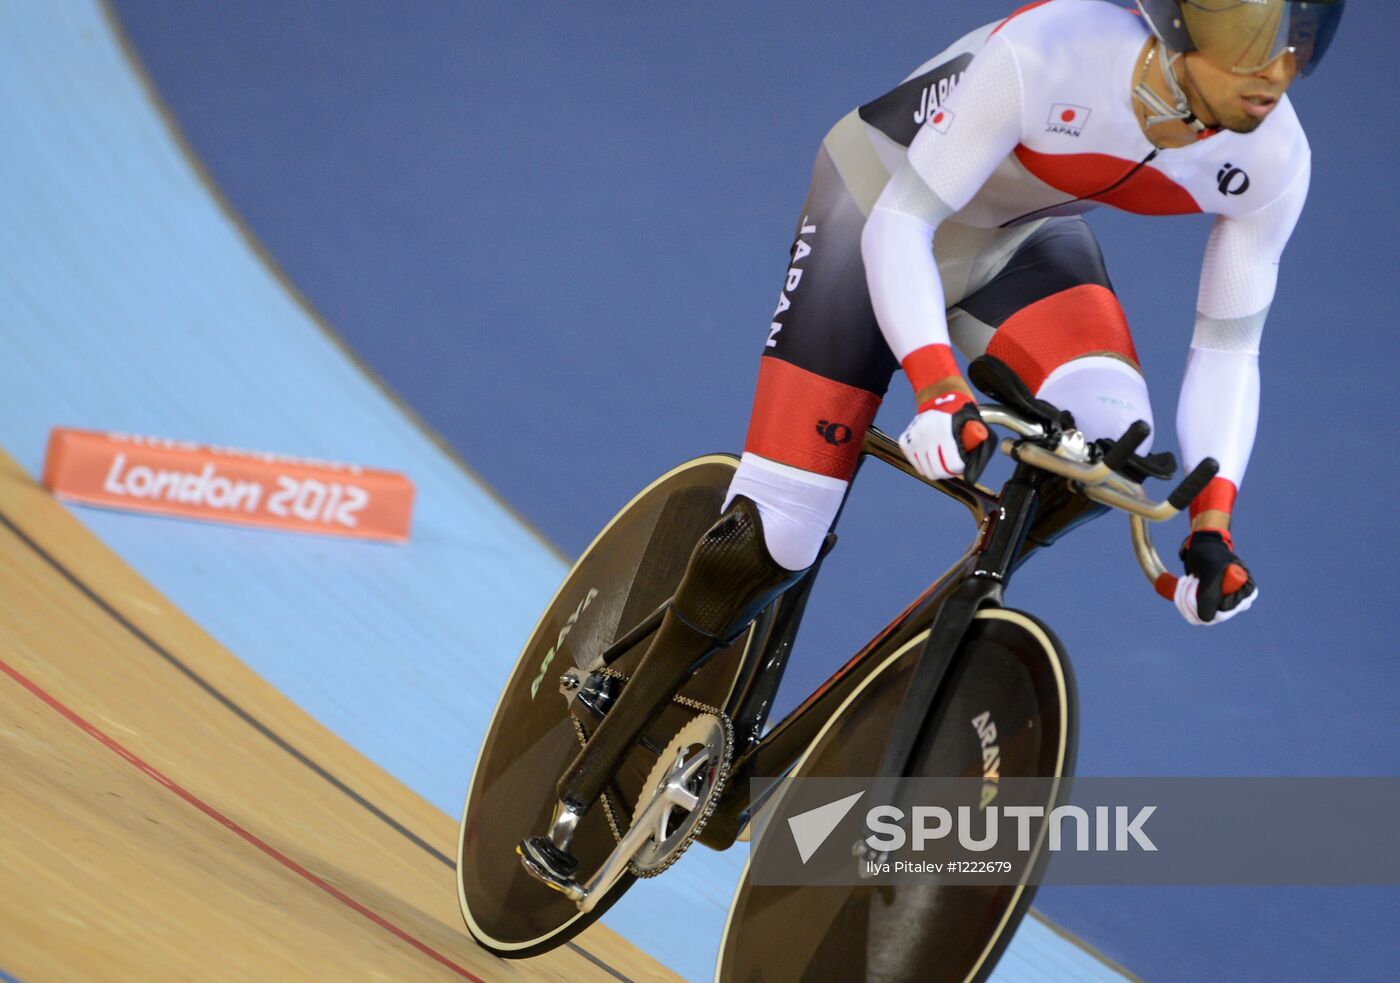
169	815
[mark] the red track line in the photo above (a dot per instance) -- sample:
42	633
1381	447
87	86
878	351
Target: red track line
229	824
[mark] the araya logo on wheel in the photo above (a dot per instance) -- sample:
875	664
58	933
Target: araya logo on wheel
991	755
559	642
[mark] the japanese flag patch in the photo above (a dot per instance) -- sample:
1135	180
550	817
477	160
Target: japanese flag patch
941	119
1065	117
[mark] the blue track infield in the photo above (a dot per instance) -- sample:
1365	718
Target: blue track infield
129	300
133	302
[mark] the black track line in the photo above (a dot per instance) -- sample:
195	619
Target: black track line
252	721
228	703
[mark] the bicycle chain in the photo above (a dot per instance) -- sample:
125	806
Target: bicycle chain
723	773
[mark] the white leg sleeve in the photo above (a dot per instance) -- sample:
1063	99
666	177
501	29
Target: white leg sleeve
1105	395
797	507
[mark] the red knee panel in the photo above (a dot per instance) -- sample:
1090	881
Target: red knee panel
807	421
1083	320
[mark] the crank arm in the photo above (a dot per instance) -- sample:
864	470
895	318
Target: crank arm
586	896
616	865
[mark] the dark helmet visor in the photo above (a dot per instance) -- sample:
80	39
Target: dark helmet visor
1248	35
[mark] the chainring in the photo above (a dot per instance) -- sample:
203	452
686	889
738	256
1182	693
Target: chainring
696	761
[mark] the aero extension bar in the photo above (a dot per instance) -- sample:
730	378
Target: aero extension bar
1072	459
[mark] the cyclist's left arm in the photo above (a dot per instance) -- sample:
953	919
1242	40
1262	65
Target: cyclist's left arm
1218	410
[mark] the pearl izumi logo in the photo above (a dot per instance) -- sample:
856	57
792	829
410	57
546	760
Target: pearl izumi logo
1067	118
1231	180
834	433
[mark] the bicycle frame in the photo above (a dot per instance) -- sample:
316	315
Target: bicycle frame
1060	480
1008	532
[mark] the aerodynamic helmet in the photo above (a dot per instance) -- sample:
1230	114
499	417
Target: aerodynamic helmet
1246	35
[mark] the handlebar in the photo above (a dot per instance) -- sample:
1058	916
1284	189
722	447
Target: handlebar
1097	476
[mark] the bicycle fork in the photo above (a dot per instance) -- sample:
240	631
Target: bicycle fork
997	554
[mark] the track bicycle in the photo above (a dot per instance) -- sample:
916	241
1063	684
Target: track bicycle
899	707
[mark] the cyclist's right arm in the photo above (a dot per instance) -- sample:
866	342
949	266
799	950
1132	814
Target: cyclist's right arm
949	160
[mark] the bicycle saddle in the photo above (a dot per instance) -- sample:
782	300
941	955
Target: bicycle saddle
996	379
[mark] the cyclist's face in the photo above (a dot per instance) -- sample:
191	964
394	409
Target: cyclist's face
1240	101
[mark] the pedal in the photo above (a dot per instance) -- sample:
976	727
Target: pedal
869	859
551	866
671	811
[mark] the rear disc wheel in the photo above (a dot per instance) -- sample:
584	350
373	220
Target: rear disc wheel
631	568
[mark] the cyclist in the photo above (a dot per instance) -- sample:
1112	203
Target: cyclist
946	212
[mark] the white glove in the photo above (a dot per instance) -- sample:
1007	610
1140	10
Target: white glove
929	444
1185	600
